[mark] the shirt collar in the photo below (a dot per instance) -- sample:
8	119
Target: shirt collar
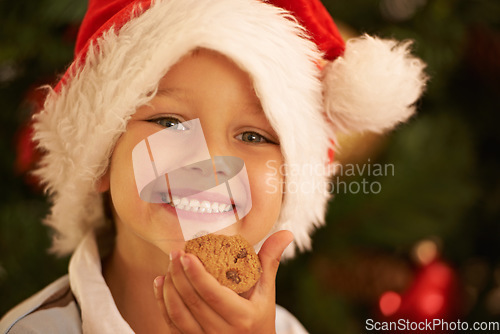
99	312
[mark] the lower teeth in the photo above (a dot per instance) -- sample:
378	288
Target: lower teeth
199	211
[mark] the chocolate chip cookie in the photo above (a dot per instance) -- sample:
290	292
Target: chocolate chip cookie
230	259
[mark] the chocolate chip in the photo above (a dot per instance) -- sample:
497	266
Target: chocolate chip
243	253
232	274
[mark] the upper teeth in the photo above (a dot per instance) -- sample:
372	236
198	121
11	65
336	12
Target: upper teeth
194	205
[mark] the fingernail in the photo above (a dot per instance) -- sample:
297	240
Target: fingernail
174	255
185	261
158	281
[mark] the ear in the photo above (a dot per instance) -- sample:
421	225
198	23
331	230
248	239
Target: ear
103	184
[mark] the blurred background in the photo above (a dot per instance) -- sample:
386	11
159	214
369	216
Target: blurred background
421	241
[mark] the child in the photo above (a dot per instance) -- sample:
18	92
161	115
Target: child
270	83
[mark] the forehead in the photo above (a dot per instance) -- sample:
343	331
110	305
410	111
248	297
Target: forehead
208	64
207	73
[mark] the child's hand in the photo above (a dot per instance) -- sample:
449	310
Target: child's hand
192	301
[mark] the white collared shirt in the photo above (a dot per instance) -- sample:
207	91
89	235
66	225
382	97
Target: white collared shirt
54	309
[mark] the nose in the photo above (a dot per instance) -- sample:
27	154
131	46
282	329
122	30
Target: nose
203	168
227	167
222	163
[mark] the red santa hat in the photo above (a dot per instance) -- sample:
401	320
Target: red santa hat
310	83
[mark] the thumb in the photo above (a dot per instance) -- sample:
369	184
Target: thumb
270	256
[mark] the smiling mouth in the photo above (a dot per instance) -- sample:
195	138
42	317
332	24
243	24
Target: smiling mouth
203	206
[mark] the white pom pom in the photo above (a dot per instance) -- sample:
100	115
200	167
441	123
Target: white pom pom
373	86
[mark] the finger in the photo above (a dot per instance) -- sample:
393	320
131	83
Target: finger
158	292
207	317
179	315
270	256
223	301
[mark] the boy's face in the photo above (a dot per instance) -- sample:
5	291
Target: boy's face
209	87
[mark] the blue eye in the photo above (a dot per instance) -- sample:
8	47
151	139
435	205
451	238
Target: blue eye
252	137
170	122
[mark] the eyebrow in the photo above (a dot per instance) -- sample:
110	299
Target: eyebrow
172	92
254	108
182	94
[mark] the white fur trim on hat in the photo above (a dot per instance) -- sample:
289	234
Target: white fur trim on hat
81	123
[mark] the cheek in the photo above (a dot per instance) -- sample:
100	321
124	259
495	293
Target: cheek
123	189
267	189
267	185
